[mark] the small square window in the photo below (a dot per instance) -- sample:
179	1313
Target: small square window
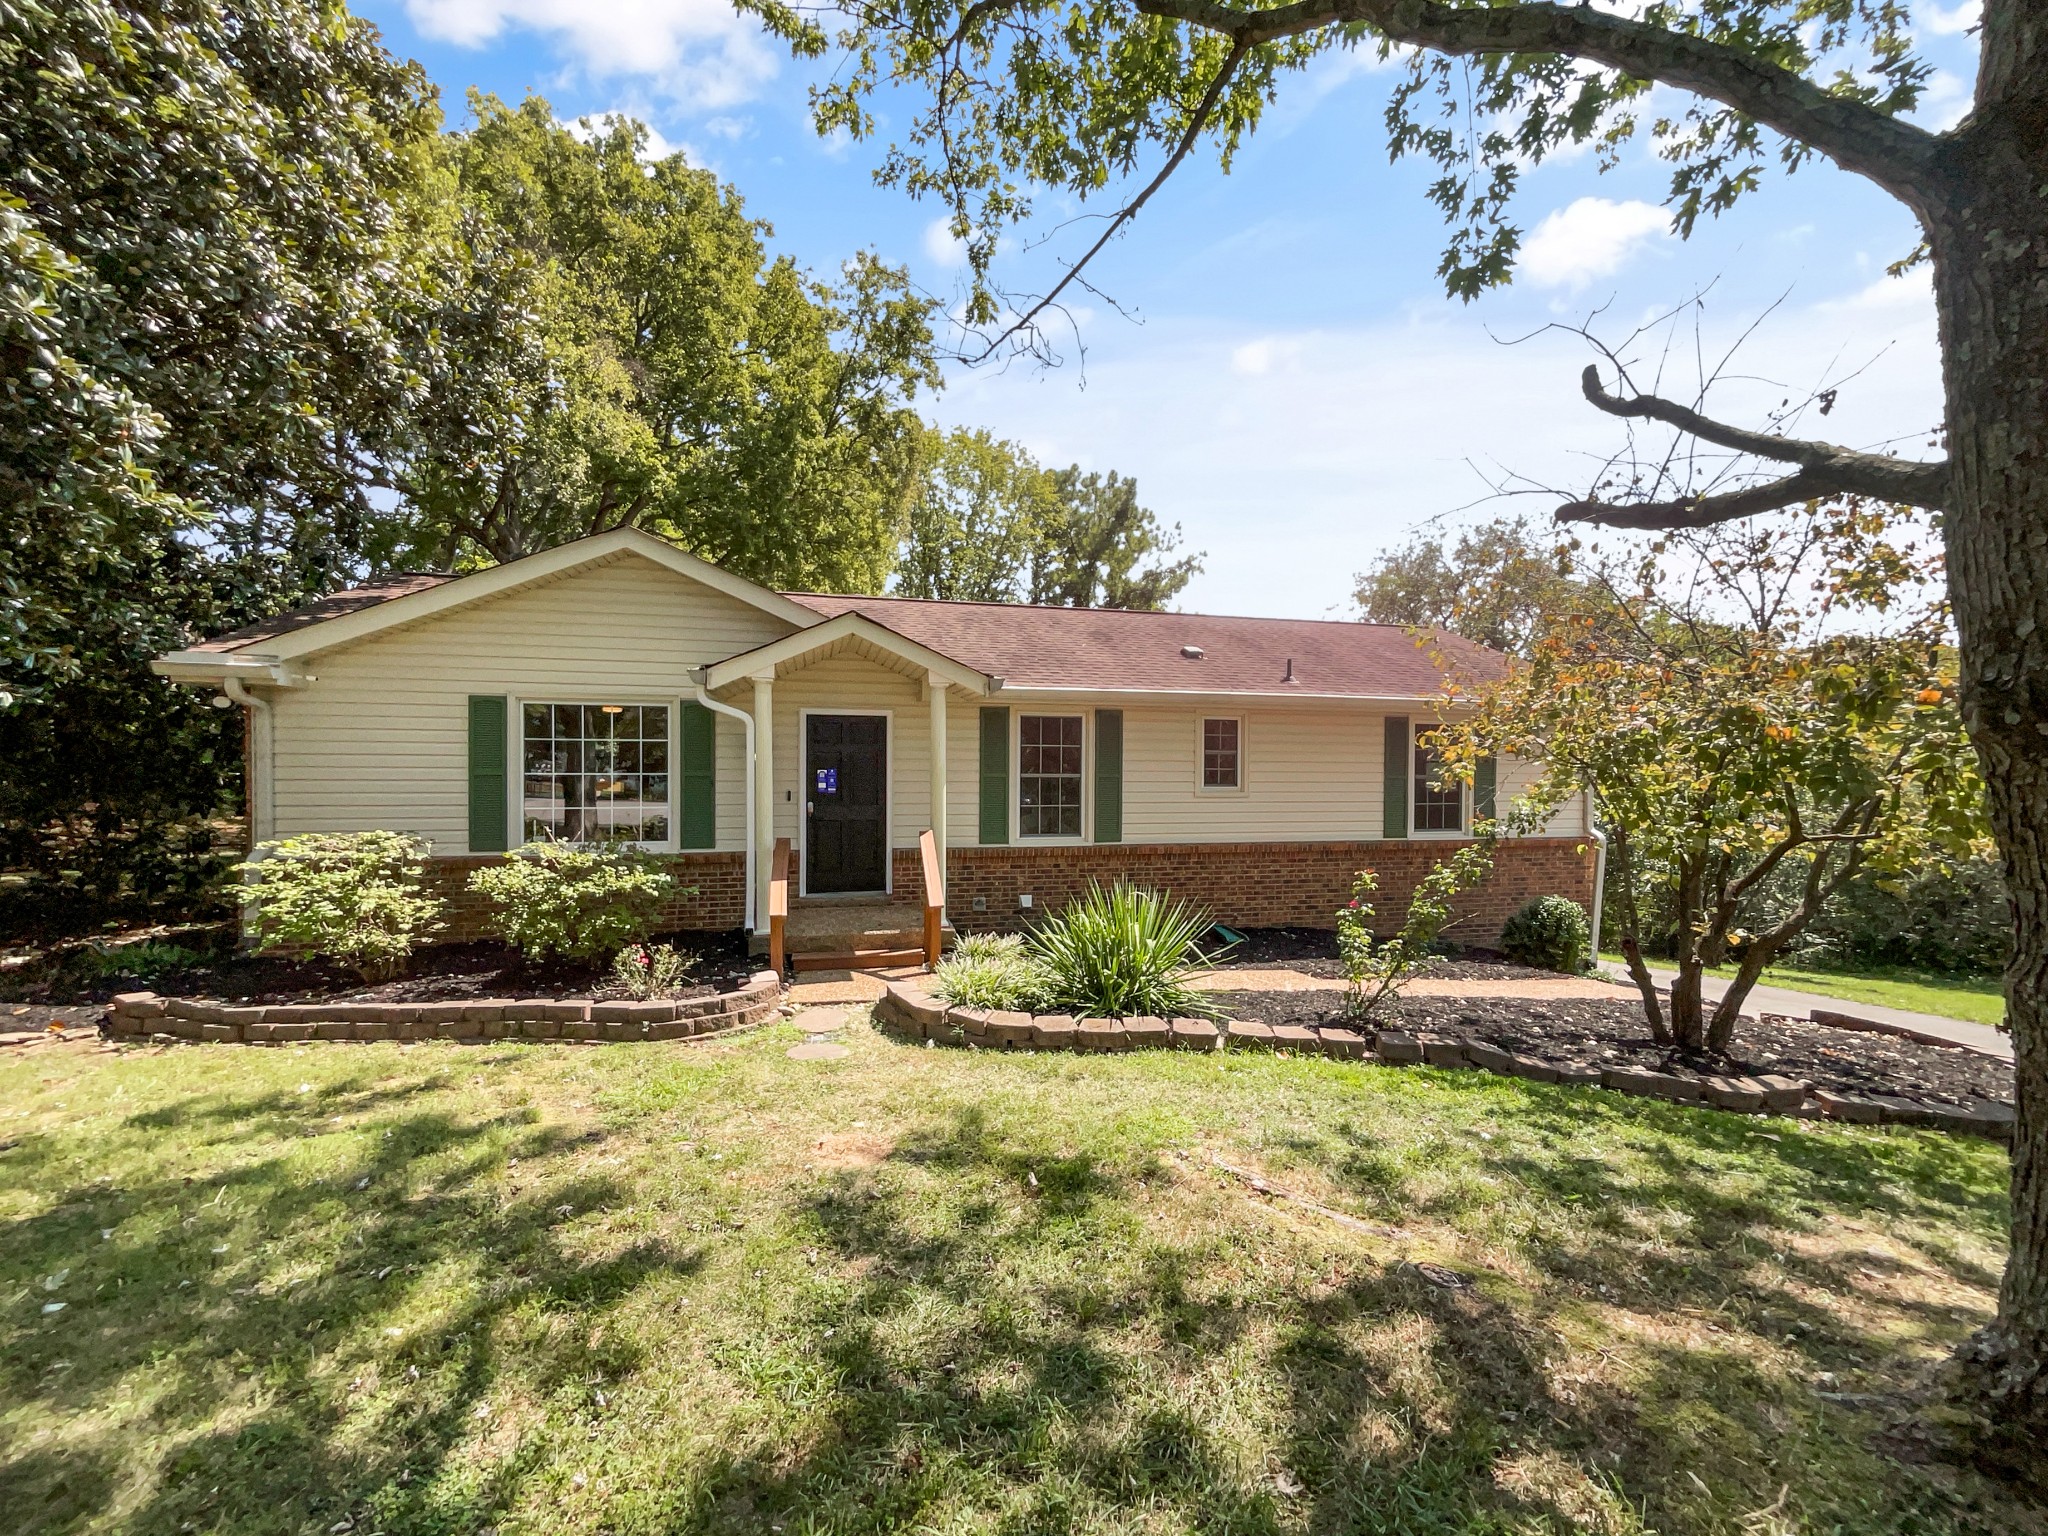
1221	753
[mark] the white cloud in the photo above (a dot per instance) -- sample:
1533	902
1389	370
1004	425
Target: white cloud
700	51
1591	238
657	145
941	245
1950	23
1945	102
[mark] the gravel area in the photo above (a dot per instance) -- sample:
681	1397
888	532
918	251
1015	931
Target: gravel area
1615	1034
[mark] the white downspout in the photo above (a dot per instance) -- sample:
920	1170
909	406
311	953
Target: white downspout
1599	874
263	791
747	723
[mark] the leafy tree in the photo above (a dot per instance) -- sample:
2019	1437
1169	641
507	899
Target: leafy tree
1095	540
622	350
207	270
1496	585
1743	743
980	508
1023	92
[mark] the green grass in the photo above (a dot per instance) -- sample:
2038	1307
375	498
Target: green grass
1974	999
639	1289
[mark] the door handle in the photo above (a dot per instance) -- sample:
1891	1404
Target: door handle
809	806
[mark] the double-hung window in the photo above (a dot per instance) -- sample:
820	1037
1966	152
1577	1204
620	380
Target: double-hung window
1222	752
1049	776
1439	802
595	773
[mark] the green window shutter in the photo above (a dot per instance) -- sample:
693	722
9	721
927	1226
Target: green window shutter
487	792
697	742
1394	799
1109	775
995	773
1483	774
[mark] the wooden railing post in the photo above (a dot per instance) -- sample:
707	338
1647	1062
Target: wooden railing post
934	894
778	905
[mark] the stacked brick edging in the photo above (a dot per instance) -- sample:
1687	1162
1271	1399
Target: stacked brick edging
1257	885
908	1008
135	1015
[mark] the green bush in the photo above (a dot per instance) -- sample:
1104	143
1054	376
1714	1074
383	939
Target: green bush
1124	952
994	971
562	899
359	898
1550	932
643	971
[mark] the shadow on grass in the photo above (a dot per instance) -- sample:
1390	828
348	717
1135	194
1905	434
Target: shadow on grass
244	1350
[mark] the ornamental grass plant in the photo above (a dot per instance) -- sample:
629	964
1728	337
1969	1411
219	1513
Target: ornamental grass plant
1124	952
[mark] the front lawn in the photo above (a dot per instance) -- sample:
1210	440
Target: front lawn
671	1288
1974	999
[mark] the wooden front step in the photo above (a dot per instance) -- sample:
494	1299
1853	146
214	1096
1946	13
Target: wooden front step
856	959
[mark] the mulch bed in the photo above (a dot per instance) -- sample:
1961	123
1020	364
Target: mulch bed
1313	952
438	973
1597	1032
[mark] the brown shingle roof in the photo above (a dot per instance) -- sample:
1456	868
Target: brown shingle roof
335	605
1114	649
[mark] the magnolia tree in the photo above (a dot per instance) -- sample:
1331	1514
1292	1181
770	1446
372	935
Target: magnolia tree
1760	717
1081	98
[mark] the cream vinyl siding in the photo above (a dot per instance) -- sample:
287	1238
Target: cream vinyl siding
1312	772
851	685
379	739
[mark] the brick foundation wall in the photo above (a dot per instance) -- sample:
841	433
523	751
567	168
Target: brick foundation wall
1256	885
719	904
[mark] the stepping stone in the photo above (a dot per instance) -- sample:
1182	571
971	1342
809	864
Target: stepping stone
820	1021
816	1050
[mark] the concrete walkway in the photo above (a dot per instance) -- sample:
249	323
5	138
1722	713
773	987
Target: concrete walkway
1930	1027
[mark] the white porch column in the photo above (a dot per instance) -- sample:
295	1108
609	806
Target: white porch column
763	830
935	694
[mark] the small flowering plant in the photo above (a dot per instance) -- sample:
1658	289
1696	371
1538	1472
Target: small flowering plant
643	971
1374	968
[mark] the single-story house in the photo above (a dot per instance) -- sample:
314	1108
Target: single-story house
619	688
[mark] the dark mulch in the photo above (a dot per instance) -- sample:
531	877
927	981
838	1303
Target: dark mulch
1313	952
1614	1034
440	972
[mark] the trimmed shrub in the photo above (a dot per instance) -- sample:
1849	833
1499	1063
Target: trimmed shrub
358	898
1550	932
562	899
643	971
1124	952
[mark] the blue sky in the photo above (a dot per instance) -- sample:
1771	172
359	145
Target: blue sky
1289	382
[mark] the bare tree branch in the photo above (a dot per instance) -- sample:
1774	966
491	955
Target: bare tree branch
1899	157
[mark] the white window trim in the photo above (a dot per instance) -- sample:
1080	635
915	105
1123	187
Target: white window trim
1464	829
1037	839
516	744
1224	791
803	817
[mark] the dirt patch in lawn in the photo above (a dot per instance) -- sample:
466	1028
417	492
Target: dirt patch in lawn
438	973
1614	1034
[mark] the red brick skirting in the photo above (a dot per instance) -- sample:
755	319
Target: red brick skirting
1254	885
716	903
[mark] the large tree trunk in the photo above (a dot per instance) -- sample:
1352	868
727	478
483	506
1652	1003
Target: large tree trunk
1990	248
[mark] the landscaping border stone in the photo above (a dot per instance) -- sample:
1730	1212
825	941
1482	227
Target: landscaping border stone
146	1016
908	1010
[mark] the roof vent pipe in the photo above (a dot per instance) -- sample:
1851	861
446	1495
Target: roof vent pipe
1290	671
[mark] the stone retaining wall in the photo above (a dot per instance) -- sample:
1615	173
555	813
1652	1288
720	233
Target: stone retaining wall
134	1015
908	1009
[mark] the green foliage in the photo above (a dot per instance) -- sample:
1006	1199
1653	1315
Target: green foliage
1497	585
145	961
643	971
1550	932
359	898
567	899
1761	722
989	525
1374	968
1123	952
994	971
620	349
207	337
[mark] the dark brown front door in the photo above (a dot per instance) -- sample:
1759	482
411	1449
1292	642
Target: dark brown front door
846	773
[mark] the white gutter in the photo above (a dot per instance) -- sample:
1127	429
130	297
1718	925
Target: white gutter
747	723
1599	873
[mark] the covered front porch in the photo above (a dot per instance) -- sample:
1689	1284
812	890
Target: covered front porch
848	793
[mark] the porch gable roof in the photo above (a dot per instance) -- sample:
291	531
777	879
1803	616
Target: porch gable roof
833	632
